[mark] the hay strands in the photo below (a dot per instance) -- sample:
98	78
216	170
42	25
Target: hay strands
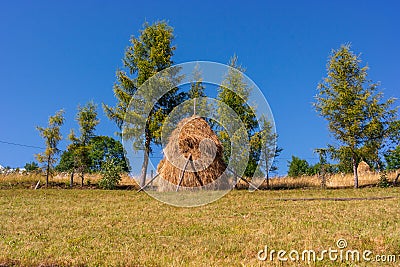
206	164
241	178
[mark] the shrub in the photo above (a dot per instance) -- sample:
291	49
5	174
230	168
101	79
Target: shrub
111	174
31	166
298	167
383	180
392	158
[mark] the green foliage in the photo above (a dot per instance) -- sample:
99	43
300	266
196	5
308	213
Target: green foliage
31	166
197	91
148	54
196	87
392	158
87	121
234	92
383	180
52	137
66	163
343	156
79	147
265	140
357	116
299	167
111	174
103	148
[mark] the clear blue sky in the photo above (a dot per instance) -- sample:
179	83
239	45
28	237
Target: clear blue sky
58	54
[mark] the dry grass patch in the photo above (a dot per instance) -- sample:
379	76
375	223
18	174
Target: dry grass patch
332	181
124	228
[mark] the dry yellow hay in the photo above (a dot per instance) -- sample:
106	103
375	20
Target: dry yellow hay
193	146
363	168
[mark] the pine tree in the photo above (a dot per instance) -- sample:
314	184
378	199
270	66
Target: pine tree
147	55
358	117
197	104
234	92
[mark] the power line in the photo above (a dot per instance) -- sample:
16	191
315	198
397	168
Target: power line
17	144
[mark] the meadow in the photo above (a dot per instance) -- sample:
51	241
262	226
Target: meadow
92	227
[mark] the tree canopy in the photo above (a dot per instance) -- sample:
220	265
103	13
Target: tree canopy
233	94
52	136
357	115
148	54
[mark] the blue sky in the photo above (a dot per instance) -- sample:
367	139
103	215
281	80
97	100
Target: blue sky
58	54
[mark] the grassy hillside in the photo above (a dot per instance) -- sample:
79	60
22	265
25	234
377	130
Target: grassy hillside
124	228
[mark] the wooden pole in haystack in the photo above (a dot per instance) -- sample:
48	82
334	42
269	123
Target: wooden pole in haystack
149	182
196	174
241	178
183	172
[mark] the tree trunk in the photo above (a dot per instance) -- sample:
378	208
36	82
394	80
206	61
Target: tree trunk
355	165
71	180
145	161
48	171
266	169
82	178
323	176
397	178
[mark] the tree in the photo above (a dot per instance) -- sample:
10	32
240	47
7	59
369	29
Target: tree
197	91
101	148
234	93
87	121
265	140
298	167
66	163
150	53
321	166
392	158
196	87
52	137
356	114
31	166
343	157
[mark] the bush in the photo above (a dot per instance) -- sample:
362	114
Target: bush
111	174
392	158
383	180
31	166
298	167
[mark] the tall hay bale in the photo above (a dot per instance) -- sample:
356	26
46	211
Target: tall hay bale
193	145
363	168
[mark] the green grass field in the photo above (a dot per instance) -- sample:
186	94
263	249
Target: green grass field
50	227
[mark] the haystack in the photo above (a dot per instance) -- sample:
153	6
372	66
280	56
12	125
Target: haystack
193	158
363	168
